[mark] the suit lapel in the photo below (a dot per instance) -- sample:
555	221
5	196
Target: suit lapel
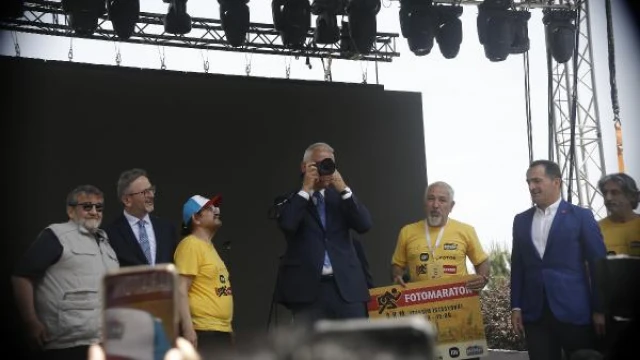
130	237
556	225
159	242
529	221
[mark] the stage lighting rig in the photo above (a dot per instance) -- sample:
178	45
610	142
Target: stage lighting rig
327	11
561	33
234	15
292	18
502	31
520	28
83	14
362	23
418	24
177	20
11	9
449	32
124	15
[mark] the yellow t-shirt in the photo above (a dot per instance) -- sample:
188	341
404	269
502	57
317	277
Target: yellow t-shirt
210	297
459	240
621	238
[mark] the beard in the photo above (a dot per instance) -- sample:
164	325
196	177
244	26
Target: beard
435	220
91	225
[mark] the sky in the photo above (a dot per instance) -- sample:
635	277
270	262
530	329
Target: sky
473	109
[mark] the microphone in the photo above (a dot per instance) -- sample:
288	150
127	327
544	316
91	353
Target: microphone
278	203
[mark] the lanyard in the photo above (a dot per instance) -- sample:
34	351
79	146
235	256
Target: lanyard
433	249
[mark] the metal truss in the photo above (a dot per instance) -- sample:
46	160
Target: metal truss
589	163
48	18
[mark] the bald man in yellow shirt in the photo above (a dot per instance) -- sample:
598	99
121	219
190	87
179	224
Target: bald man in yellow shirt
439	246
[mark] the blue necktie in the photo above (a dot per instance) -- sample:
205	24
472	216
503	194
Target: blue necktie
326	265
144	241
320	207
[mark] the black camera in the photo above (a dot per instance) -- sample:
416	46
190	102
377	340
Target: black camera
326	167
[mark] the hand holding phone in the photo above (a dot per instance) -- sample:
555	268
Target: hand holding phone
140	318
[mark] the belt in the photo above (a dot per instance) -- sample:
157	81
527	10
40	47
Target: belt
328	277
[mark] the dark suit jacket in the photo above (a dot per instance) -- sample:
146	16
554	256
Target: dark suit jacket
301	264
126	245
362	256
574	240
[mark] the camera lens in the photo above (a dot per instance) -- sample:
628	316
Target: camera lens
326	167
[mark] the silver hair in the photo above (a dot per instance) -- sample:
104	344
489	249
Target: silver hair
439	184
72	197
126	178
627	185
313	147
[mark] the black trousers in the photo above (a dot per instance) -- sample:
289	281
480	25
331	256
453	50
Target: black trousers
547	338
328	305
72	353
214	344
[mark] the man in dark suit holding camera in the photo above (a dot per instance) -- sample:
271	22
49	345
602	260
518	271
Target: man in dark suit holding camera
320	275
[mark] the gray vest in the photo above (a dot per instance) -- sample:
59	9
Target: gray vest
68	298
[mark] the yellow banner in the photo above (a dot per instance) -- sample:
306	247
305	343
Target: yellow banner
447	304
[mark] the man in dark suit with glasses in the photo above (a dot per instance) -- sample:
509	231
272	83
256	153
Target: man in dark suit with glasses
138	237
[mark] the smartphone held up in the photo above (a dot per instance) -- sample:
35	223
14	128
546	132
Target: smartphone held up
140	315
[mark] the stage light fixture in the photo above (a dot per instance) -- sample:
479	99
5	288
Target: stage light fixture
418	24
561	33
124	15
83	15
495	30
234	15
177	20
327	11
520	28
449	33
11	9
292	18
362	23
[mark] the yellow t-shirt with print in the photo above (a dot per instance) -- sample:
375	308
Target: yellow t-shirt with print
210	297
459	240
621	238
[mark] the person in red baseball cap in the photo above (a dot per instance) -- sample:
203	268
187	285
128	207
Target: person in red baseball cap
206	306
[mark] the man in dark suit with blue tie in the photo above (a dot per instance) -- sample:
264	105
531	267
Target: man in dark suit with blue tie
320	275
138	237
552	288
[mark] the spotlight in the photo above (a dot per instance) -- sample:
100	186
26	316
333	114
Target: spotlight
494	28
124	15
11	9
327	30
292	18
177	20
363	23
449	35
83	14
234	15
561	33
520	28
418	23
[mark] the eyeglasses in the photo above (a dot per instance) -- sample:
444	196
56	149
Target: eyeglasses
87	206
145	192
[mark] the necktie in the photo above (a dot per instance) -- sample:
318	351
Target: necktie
326	265
144	241
321	208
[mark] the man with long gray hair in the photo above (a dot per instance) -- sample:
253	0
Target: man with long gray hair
57	282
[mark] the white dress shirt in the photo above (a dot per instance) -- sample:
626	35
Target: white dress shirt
542	220
133	222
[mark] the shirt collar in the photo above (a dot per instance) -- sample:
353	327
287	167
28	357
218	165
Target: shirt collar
134	220
551	208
